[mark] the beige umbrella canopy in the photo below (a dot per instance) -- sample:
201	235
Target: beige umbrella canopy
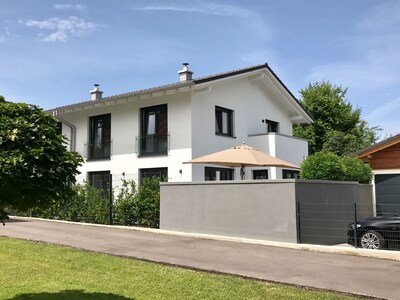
242	156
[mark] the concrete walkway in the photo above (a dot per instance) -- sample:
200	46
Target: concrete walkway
345	273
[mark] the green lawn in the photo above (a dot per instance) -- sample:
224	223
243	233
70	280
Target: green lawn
37	271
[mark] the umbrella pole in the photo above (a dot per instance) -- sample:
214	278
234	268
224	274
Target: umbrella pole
242	172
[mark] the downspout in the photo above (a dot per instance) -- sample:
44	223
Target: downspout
71	127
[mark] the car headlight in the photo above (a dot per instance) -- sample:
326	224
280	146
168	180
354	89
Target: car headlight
351	226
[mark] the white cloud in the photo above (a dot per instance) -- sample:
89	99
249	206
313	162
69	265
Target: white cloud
205	8
63	29
76	7
250	20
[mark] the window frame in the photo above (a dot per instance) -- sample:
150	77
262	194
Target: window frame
161	170
272	126
104	151
265	171
105	184
295	173
155	142
214	169
219	121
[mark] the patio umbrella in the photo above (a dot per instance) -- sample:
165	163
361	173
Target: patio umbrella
242	156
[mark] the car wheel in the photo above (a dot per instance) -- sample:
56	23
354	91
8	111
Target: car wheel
372	240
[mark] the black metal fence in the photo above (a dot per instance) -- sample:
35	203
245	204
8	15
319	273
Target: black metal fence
104	198
359	225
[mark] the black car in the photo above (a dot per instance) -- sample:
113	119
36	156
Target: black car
381	232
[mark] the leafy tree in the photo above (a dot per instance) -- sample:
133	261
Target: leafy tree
35	167
329	166
337	127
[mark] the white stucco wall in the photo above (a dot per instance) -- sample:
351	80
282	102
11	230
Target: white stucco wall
125	127
251	103
191	127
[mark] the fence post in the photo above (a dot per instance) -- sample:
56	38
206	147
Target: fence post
355	226
110	199
298	222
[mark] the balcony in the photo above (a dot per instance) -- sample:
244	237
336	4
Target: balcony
285	147
101	150
152	144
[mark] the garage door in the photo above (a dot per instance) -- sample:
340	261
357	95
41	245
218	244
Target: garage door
387	189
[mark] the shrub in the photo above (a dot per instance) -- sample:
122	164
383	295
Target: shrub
147	204
329	166
356	170
124	205
89	204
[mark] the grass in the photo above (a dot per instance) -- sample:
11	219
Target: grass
33	271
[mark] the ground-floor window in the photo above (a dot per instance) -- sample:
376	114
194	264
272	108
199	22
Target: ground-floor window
100	179
153	172
211	174
290	174
260	174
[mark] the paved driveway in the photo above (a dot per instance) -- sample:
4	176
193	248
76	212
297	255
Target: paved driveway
367	276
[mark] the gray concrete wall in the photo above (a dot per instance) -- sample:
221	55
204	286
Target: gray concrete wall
327	208
264	209
250	209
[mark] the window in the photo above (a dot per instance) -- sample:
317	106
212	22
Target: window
260	174
212	174
154	131
290	174
223	121
154	172
100	180
272	126
100	137
59	128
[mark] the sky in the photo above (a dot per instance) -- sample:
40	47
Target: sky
52	52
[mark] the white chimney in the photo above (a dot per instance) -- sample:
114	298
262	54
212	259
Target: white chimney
185	74
96	94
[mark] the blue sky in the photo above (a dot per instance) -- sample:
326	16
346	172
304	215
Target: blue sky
52	52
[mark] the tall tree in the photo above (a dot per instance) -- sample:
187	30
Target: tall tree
337	127
35	166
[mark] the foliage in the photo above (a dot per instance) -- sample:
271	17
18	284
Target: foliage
132	206
35	166
87	204
46	272
147	204
337	127
329	166
356	170
124	206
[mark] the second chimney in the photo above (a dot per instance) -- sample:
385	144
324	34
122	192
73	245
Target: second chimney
185	74
96	94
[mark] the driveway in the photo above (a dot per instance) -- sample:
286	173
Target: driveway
351	274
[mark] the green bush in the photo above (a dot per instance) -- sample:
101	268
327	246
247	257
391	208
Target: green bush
147	204
89	204
356	170
124	205
329	166
132	206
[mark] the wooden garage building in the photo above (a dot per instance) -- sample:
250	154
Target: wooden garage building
384	159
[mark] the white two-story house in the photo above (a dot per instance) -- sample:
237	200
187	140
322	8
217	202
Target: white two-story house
153	131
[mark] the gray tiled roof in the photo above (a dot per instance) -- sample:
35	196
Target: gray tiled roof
176	85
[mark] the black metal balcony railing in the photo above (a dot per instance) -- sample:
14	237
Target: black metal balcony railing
152	144
98	150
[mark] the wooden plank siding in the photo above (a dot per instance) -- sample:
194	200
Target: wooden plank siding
387	158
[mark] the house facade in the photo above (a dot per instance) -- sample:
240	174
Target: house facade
384	159
153	131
